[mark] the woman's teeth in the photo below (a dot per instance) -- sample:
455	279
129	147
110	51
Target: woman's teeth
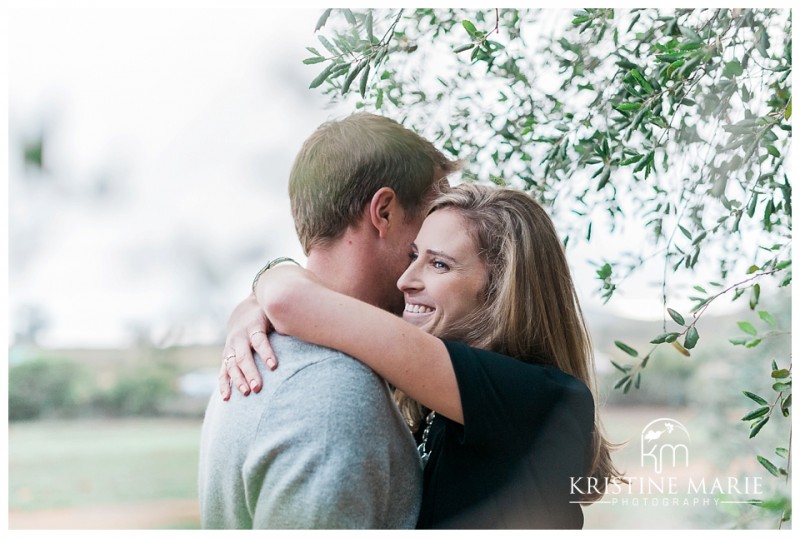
418	309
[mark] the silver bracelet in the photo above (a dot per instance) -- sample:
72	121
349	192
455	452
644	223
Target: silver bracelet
270	265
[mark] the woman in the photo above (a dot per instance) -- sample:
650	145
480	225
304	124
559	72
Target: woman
499	362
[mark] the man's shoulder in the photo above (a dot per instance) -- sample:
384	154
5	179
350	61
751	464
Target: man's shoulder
297	355
325	387
306	370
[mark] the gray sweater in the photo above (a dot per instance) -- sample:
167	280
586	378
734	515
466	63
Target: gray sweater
322	445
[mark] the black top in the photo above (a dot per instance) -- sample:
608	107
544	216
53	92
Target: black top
527	430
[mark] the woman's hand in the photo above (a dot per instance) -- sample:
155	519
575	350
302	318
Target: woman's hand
247	330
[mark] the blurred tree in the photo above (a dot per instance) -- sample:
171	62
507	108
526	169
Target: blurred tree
44	387
677	119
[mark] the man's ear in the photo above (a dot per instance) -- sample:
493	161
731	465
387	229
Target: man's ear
384	210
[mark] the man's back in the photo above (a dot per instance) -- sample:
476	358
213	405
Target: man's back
321	446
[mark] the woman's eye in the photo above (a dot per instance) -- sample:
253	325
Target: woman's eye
440	265
412	256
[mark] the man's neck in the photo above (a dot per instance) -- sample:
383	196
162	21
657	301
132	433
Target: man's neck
341	267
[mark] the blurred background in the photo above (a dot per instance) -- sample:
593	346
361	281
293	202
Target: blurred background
148	156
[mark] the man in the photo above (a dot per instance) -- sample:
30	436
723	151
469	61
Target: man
322	444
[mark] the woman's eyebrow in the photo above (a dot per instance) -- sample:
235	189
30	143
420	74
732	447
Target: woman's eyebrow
440	254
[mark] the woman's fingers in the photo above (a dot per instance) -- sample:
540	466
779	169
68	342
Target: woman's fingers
231	367
247	331
224	382
260	342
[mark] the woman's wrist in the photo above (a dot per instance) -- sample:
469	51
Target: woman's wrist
272	263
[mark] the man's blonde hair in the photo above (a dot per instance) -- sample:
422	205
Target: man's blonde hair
343	163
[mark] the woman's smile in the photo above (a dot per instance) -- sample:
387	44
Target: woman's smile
418	308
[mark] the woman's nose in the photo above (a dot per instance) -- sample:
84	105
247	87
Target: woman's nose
409	280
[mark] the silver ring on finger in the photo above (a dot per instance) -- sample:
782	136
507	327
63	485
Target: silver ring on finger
252	334
228	359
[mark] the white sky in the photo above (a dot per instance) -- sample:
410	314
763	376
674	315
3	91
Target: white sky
179	108
182	111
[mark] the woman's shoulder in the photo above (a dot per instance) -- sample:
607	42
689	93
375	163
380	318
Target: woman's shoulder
524	382
498	363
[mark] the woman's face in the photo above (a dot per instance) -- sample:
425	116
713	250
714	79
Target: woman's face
446	278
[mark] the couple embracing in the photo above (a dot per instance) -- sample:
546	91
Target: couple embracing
429	367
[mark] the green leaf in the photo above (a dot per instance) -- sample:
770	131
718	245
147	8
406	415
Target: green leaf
772	150
691	338
604	178
768	465
379	99
348	15
675	65
631	160
327	44
322	76
782	452
368	26
623	369
622	381
470	28
627	107
768	318
756	398
785	405
314	60
685	232
627	386
626	348
755	293
352	75
464	47
676	317
362	86
642	81
732	69
700	237
747	327
494	45
579	20
753	343
783	373
760	412
665	337
604	272
780	387
755	427
668	58
323	19
788	113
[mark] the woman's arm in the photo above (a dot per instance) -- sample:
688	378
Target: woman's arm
296	303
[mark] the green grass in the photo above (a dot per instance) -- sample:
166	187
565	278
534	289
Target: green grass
85	463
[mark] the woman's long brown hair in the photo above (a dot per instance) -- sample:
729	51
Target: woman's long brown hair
531	310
